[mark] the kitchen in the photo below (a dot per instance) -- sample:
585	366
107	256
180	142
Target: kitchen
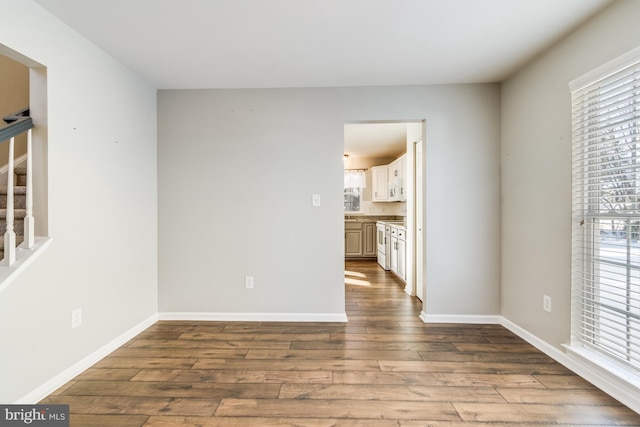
381	212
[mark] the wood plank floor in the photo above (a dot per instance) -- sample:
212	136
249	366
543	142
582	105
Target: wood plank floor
382	368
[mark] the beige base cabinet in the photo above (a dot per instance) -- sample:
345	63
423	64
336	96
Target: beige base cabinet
360	240
370	246
353	239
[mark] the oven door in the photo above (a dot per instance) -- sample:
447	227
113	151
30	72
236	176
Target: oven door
381	238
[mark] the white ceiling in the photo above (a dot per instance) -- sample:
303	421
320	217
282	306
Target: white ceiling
195	44
375	140
317	43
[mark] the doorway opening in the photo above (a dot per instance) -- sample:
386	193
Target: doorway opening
384	168
28	80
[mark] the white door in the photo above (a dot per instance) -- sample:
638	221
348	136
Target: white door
419	206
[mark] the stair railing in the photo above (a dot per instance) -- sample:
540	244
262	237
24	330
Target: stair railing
17	124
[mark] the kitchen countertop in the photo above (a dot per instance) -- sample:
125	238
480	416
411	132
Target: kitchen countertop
394	223
372	218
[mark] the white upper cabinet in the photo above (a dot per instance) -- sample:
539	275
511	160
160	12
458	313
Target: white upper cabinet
403	178
396	174
380	183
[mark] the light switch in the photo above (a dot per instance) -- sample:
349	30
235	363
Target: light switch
315	200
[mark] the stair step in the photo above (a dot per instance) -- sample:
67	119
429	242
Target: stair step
18	214
21	175
18	223
19	197
19	200
17	189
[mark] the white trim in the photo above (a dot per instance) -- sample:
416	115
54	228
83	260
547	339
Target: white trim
77	368
572	358
24	258
254	317
605	70
603	365
460	318
578	362
543	346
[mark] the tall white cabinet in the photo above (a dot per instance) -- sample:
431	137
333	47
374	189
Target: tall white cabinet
380	183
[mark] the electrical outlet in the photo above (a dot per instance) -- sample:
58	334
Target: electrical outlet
76	318
546	303
248	282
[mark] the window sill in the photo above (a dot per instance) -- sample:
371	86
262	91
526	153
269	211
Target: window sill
24	257
620	382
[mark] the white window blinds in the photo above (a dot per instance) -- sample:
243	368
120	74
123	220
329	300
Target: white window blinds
606	212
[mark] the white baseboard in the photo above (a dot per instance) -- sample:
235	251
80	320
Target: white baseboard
460	318
606	380
68	374
255	317
541	345
612	384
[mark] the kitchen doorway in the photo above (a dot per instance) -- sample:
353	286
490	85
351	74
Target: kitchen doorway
384	166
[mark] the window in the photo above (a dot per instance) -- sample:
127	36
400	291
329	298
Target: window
354	182
606	212
352	198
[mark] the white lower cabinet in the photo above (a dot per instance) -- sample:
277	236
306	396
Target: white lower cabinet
393	263
402	255
398	261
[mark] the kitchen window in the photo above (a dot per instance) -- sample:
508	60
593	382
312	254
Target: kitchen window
354	182
606	215
352	202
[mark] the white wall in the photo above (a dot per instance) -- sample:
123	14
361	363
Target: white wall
102	207
236	171
536	171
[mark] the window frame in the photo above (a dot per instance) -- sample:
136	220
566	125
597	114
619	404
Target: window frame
599	163
347	193
355	181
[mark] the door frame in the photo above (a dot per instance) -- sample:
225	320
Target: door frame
416	133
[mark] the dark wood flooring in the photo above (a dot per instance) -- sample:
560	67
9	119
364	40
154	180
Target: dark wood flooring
385	367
